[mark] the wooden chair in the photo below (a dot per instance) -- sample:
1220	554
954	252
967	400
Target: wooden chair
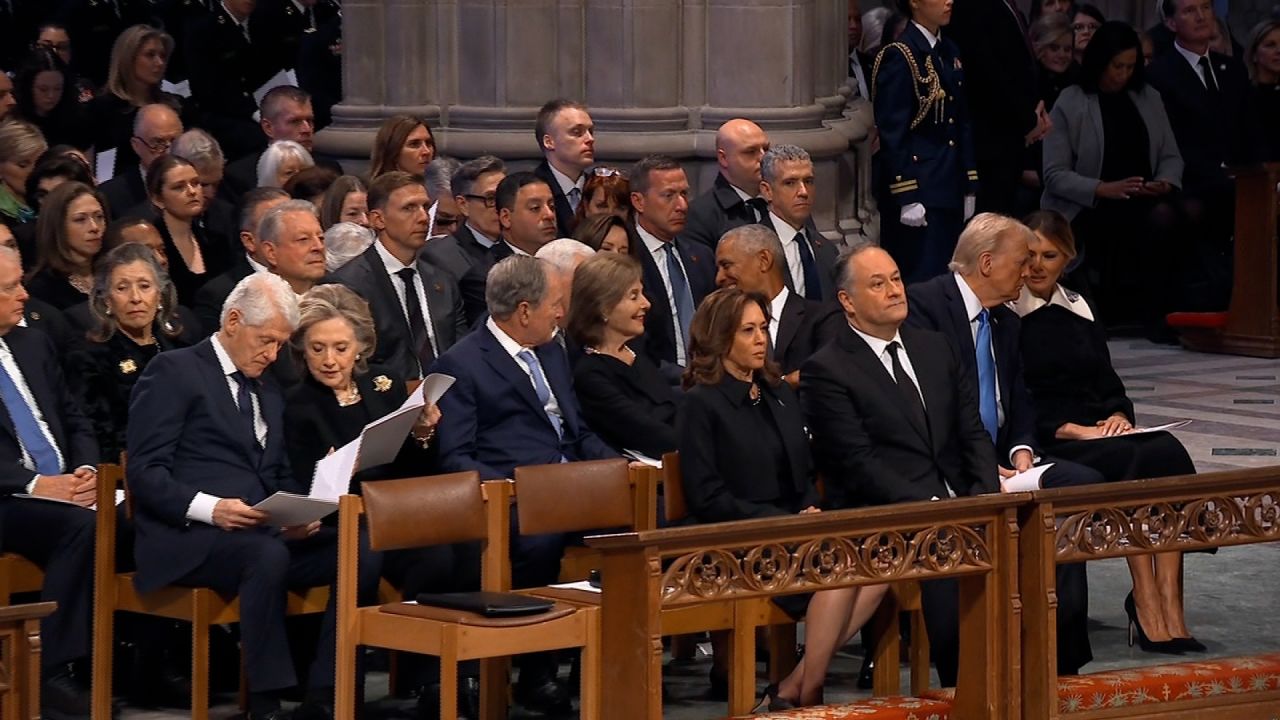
18	575
579	561
201	607
20	659
418	512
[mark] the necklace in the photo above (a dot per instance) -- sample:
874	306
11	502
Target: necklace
755	394
597	351
83	283
347	398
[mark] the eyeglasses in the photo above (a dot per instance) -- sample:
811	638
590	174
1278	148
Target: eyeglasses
157	145
607	172
488	200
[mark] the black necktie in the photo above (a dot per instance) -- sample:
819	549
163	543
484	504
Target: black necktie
1209	81
812	285
311	19
419	339
244	398
910	393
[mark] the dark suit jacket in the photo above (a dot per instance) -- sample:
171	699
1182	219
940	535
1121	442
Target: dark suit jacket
37	358
210	297
803	328
659	339
1210	130
367	275
726	474
49	320
825	253
194	440
491	419
124	191
463	257
716	212
866	445
630	406
564	211
937	305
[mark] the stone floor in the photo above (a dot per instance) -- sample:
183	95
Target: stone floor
1232	597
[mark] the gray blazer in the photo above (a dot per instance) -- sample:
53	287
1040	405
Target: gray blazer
1073	149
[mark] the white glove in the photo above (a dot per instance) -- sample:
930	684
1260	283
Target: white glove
970	204
913	215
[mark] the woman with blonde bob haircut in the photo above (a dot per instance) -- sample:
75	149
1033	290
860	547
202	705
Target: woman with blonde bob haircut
744	453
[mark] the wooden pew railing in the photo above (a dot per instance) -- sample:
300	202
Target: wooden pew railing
20	659
973	540
1192	512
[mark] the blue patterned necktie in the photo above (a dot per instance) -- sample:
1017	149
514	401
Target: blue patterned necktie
36	443
574	197
986	376
540	387
680	290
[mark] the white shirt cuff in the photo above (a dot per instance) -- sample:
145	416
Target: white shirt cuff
31	486
1016	448
201	508
91	468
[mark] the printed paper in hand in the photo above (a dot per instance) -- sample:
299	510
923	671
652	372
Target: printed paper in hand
289	510
641	457
104	167
1027	481
182	89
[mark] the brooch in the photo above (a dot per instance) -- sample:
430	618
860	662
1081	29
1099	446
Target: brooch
35	316
382	383
128	367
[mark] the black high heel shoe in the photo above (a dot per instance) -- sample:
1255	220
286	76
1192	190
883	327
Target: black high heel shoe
1168	647
1190	644
775	703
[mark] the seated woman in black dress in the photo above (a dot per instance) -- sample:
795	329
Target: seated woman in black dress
623	396
744	453
135	317
73	218
1083	414
195	255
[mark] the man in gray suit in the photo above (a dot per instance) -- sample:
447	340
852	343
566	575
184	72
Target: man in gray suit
787	183
417	308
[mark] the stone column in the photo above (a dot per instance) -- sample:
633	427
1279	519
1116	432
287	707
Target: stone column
658	76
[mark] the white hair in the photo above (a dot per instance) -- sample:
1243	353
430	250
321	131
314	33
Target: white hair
198	148
275	155
343	242
564	254
259	298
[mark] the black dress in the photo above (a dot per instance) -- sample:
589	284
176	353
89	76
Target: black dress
628	406
214	253
1264	104
1069	375
102	376
54	288
743	459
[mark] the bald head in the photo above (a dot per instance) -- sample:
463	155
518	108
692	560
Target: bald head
740	144
155	127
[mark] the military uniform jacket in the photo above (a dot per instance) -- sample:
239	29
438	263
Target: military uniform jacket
921	112
224	67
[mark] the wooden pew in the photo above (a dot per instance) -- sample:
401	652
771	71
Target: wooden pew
20	659
1251	325
973	540
1137	518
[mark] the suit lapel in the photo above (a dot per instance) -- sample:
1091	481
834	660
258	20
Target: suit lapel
960	327
555	367
223	402
792	317
695	260
509	368
870	366
436	306
934	385
824	258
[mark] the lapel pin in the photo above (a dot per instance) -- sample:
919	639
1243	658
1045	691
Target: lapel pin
35	316
438	288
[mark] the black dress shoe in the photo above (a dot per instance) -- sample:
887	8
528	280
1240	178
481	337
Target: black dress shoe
313	709
428	705
277	714
64	697
547	696
866	676
719	686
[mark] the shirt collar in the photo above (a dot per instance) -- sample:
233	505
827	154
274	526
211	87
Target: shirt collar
392	263
779	223
972	305
508	344
650	240
254	265
300	7
1073	302
778	302
484	240
928	36
1189	56
239	23
224	358
742	194
564	182
877	345
515	250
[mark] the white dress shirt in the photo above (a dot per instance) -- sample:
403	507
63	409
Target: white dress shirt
484	240
657	250
859	76
10	367
394	266
1194	60
791	250
928	36
201	507
778	302
514	349
1069	300
972	307
255	265
880	348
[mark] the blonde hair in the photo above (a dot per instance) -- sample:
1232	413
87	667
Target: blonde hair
327	302
983	234
120	78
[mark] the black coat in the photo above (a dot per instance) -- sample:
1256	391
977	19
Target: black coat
659	339
865	443
804	326
314	424
54	288
629	406
564	211
716	212
725	474
213	251
36	357
469	262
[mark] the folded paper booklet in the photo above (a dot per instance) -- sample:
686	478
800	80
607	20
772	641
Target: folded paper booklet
379	442
289	509
1026	481
119	499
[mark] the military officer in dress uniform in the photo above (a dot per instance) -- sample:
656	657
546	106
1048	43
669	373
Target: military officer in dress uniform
307	37
93	26
925	144
288	21
228	58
